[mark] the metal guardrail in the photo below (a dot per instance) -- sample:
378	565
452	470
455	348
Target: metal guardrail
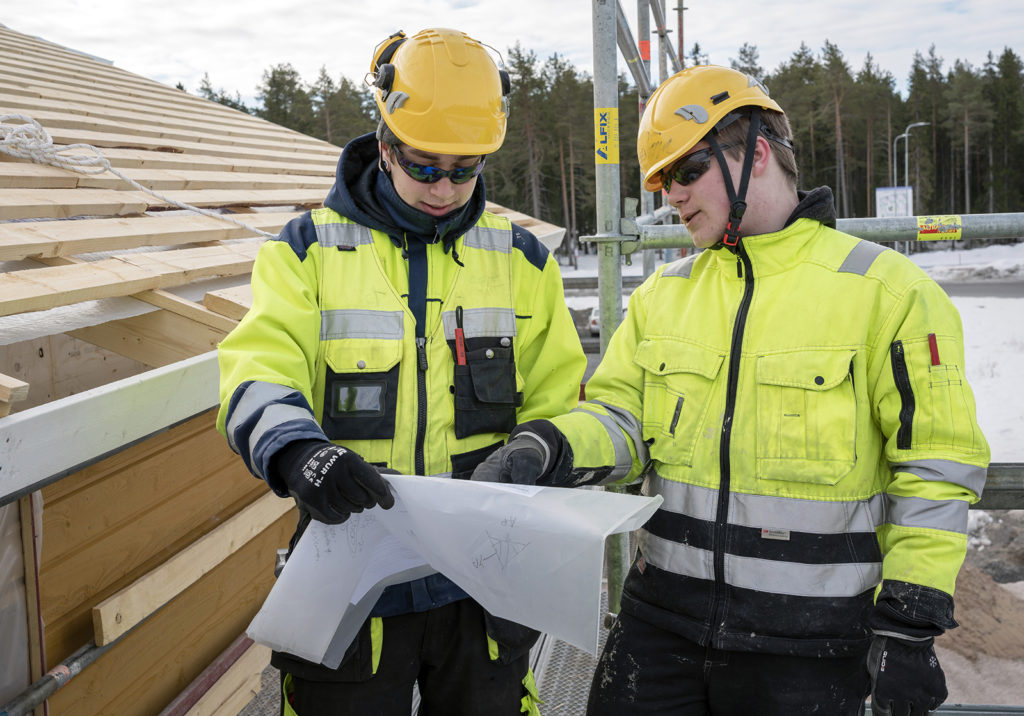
644	232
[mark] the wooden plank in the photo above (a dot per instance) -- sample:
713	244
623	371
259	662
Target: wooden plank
65	203
123	275
63	122
141	158
240	684
73	104
41	239
37	176
187	309
12	390
117	614
155	339
231	302
300	155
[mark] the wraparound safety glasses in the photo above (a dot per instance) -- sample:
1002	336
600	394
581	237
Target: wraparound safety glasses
428	174
690	168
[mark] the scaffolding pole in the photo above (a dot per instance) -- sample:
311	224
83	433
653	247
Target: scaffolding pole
609	266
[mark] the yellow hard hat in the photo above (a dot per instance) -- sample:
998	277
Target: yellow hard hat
440	91
685	108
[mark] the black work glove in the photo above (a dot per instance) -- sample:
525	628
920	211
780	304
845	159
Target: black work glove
529	457
906	679
329	481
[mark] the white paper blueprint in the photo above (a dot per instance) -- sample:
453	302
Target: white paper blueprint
530	554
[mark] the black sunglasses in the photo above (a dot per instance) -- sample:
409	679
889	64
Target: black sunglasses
429	175
690	168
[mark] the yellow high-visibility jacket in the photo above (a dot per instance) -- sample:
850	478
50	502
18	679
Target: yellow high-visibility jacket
801	405
329	348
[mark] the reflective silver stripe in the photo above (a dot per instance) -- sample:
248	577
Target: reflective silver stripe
623	461
361	323
763	575
630	425
255	398
481	322
970	476
274	415
343	235
681	268
802	580
698	502
859	260
677	558
816	516
766	512
489	239
948	515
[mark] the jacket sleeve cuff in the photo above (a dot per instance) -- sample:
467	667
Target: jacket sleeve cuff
911	610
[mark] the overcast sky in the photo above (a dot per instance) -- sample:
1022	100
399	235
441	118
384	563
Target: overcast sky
235	43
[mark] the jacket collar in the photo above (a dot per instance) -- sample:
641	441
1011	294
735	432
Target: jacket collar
780	250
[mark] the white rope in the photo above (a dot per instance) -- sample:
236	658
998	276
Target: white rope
31	141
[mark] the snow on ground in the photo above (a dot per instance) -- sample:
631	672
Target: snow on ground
993	333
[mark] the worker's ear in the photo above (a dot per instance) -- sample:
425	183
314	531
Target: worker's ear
762	156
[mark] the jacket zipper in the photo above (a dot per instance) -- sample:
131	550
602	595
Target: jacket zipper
901	376
421	403
744	269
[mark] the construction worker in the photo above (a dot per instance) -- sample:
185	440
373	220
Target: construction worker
798	398
403	327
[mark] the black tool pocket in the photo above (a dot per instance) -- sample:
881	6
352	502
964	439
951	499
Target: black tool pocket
485	389
361	389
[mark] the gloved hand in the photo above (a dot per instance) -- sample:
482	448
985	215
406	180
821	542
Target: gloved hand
906	679
329	481
528	458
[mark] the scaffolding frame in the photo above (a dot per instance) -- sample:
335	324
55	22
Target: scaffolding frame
624	232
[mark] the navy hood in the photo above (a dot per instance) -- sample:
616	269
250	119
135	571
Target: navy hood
365	194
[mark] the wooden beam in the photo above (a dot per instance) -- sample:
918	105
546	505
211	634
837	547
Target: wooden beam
40	239
37	176
65	203
187	309
123	275
12	390
156	339
231	302
117	614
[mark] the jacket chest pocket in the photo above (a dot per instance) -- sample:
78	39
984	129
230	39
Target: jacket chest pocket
806	416
485	388
361	389
678	382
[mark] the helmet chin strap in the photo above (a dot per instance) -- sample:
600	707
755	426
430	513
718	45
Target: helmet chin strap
737	200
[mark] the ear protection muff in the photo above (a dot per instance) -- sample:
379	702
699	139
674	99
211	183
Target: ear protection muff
380	67
506	82
385	77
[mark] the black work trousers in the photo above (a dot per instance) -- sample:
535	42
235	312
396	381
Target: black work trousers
445	651
647	670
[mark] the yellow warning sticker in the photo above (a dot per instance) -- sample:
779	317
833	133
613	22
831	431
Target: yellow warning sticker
945	227
606	135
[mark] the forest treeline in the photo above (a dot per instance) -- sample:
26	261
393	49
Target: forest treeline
968	158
